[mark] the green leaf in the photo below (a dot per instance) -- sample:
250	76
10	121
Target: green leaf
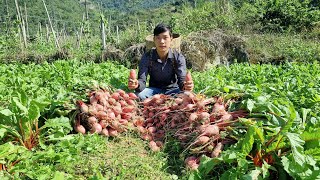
253	175
250	105
248	141
34	112
58	175
6	112
315	153
304	116
19	105
291	117
310	136
296	146
10	130
207	164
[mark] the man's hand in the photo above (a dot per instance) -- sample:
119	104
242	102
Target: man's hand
133	84
188	85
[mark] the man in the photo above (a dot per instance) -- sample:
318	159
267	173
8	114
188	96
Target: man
166	67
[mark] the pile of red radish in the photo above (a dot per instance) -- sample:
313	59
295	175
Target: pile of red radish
197	122
194	120
106	113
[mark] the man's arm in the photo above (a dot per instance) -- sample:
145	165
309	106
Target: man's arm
181	70
143	72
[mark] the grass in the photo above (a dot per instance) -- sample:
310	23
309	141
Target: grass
95	157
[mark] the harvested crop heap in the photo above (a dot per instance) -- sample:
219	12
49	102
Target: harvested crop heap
198	123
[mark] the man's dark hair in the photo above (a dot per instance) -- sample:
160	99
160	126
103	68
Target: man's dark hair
161	28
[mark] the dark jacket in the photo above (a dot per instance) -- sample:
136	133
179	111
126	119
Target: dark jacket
167	75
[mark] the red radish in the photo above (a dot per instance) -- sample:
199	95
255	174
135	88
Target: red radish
96	128
217	150
141	129
202	140
152	129
93	100
113	132
193	117
192	162
128	109
153	146
178	100
123	121
111	115
99	95
104	102
103	124
188	77
138	122
159	144
112	101
156	97
121	92
173	124
218	109
204	115
146	137
189	107
79	128
101	115
151	114
83	107
99	107
105	132
117	109
126	116
133	96
115	96
131	102
92	120
92	110
126	96
147	102
226	117
123	103
211	130
133	74
163	117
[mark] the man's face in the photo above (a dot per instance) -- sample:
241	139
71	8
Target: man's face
163	42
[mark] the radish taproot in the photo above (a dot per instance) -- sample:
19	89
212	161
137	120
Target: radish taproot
153	146
210	130
96	128
83	107
188	77
133	74
217	150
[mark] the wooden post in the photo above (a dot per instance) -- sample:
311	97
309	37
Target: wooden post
48	33
103	34
139	29
85	4
79	36
22	27
40	32
54	35
7	18
78	40
26	17
118	40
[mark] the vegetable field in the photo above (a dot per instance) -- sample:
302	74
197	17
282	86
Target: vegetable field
244	121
